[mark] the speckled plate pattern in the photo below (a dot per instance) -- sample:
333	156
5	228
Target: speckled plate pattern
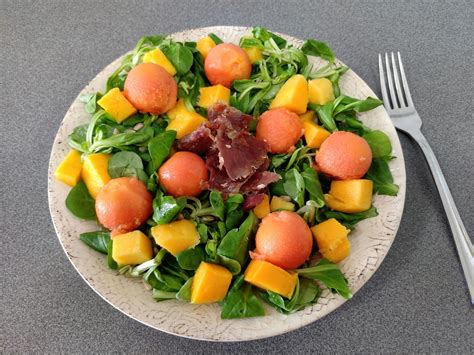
370	241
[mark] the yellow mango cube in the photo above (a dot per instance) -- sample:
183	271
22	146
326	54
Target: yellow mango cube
254	53
320	91
182	120
177	110
204	45
308	116
293	95
263	208
156	56
211	94
270	277
278	204
94	172
176	236
314	134
117	105
350	196
69	171
210	283
131	248
332	240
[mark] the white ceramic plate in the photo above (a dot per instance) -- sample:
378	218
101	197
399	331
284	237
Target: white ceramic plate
370	241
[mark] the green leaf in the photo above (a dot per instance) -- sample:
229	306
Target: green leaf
91	102
318	49
122	140
279	159
351	219
335	77
96	240
235	244
294	186
80	202
241	302
330	275
357	105
110	260
265	35
180	56
121	161
77	139
190	259
166	208
184	293
217	203
159	147
231	264
215	39
313	186
379	143
325	115
306	292
234	218
382	178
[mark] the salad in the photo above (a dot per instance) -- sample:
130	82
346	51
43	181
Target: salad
227	173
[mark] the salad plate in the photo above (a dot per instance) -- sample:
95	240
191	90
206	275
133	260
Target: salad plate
370	240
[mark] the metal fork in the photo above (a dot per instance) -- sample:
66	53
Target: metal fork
399	105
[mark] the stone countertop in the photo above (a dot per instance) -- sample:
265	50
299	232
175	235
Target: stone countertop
416	302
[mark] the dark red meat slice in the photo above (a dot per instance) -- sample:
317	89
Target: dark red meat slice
242	153
222	115
251	201
259	181
218	178
237	160
199	141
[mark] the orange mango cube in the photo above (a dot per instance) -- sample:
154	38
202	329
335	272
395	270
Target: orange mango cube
131	248
69	171
332	240
270	277
117	105
95	173
210	283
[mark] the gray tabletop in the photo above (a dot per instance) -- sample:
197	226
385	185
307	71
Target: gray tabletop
417	300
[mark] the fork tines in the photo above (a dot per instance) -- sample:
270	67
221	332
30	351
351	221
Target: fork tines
395	96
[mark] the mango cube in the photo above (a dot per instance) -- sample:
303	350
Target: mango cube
271	277
204	45
182	120
332	240
69	171
131	248
210	95
350	196
176	236
314	134
94	172
117	105
308	116
177	110
210	283
263	208
156	56
278	204
254	53
293	95
320	91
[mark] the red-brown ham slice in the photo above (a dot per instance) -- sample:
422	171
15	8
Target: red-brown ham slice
237	160
252	201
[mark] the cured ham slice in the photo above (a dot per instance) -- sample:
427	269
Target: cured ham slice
237	160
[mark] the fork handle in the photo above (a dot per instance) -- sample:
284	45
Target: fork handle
461	238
